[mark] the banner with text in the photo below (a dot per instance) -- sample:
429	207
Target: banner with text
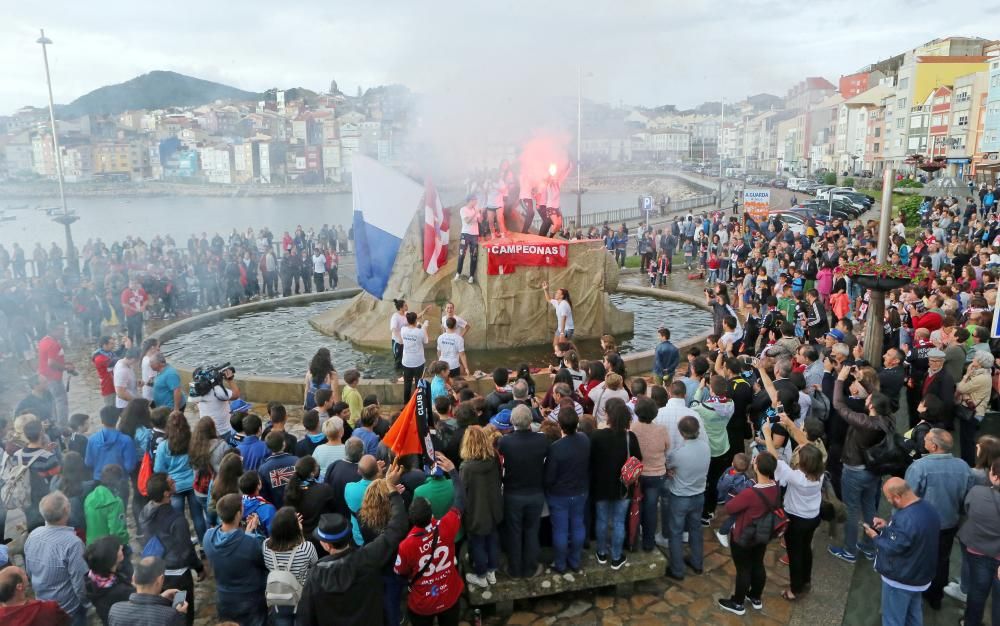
756	203
503	257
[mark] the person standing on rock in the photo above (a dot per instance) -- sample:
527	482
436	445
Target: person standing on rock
471	216
564	314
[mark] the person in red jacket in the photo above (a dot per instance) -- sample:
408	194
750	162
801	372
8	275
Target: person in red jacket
17	610
104	359
428	560
134	302
922	318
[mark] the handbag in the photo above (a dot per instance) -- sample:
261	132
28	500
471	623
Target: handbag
965	408
632	467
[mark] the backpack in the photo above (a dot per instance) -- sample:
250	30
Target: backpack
770	525
820	405
16	490
154	547
282	588
890	456
146	466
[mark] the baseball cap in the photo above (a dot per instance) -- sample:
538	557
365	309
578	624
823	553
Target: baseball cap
836	334
501	421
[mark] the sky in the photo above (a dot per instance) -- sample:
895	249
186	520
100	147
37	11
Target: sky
644	52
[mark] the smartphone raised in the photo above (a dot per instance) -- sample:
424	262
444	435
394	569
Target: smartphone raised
179	598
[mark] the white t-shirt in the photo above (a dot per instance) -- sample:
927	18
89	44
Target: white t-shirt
600	395
802	496
123	376
450	345
148	376
215	404
459	323
579	376
563	309
396	323
470	222
413	345
319	263
552	194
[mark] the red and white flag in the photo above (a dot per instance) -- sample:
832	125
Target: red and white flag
436	220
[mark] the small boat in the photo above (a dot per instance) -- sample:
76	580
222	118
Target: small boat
17	208
7	218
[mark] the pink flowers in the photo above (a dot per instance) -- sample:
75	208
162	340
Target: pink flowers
884	270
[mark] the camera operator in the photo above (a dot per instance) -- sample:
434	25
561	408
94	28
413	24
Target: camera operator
215	403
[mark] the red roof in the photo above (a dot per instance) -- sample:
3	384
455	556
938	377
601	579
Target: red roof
953	59
818	82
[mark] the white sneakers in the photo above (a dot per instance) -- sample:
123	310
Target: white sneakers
482	581
491	577
723	539
662	541
954	590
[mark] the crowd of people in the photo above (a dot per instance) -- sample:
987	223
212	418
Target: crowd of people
121	283
777	425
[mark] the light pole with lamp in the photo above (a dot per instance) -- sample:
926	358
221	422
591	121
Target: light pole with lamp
65	219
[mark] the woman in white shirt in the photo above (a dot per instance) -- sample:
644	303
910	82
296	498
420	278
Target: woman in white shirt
396	324
803	496
563	305
149	347
414	338
599	395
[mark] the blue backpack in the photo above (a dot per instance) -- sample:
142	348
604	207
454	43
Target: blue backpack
154	547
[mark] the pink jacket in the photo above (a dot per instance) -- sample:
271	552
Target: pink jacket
824	281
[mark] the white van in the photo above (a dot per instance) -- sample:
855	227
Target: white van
797	184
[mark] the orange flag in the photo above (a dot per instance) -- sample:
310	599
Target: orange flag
404	434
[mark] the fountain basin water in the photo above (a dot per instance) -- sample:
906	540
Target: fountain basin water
270	342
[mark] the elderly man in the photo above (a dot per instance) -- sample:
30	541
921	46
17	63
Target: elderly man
940	383
524	454
560	391
942	480
891	378
53	557
907	550
808	356
150	604
16	608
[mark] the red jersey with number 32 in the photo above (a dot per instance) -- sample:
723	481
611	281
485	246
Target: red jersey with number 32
440	584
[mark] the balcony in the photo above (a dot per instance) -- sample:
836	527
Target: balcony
920	109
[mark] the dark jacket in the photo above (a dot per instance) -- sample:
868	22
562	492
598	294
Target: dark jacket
337	476
980	530
317	500
495	400
608	453
104	599
567	468
908	545
484	502
347	587
523	462
942	385
891	381
145	608
863	431
238	561
275	472
171	527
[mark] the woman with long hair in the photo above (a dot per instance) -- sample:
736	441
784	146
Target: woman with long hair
373	518
480	472
105	581
205	455
73	481
172	457
610	448
136	423
563	304
321	375
226	481
308	496
524	373
288	551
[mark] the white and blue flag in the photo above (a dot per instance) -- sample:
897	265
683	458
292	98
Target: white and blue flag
384	204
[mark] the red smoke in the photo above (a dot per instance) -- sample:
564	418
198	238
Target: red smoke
541	151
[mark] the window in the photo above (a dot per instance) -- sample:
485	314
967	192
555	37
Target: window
962	96
914	143
963	120
916	121
875	148
878	131
901	104
901	123
904	83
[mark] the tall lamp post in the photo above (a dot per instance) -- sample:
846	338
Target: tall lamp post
65	219
579	135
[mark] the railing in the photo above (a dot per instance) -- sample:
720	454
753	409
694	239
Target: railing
615	216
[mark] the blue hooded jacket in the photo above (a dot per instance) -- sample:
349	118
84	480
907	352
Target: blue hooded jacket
109	446
264	510
238	561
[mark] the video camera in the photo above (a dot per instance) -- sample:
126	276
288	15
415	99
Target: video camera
204	379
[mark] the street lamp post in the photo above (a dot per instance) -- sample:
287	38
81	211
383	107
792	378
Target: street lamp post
65	219
579	133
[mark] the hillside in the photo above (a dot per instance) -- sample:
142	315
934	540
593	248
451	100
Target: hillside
155	90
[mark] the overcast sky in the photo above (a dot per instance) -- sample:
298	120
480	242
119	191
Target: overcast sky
646	52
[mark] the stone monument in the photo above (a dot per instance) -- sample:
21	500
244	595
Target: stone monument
506	310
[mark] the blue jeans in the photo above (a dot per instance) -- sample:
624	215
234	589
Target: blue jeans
901	607
981	580
569	530
485	552
685	516
210	520
522	518
79	617
247	611
613	512
197	512
392	594
282	616
654	492
860	491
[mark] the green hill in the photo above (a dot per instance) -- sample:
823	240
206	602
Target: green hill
155	90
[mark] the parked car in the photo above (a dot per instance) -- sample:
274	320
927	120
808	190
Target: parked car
840	210
797	221
779	183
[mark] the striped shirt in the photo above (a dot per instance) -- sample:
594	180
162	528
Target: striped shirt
53	558
298	560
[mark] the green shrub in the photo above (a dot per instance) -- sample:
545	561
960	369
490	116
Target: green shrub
632	261
910	210
829	178
908	183
849	182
